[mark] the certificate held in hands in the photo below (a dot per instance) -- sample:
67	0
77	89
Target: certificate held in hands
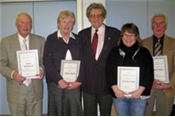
128	78
161	68
70	70
28	65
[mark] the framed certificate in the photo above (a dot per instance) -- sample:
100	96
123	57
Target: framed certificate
161	68
128	78
28	65
70	70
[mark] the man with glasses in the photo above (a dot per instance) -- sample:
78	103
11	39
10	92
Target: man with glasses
97	41
159	44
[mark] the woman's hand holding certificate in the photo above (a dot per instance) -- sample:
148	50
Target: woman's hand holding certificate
128	78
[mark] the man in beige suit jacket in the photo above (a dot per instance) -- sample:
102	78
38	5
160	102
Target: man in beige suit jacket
22	99
162	93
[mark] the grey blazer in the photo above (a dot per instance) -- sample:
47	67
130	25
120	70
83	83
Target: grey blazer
169	50
8	63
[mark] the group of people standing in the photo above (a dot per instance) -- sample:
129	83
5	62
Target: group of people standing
101	50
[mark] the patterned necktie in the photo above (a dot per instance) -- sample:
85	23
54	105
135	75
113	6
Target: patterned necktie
95	42
158	48
24	47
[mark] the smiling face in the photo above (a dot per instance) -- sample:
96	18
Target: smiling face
65	22
129	34
159	26
129	39
24	24
66	25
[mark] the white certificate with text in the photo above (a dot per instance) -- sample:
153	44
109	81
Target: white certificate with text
128	78
70	70
161	68
28	65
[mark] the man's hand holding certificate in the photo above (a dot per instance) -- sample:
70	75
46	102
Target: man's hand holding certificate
161	68
28	65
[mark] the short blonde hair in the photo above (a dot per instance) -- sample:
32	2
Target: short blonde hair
64	14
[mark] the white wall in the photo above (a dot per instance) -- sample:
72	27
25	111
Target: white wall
0	22
0	74
162	6
140	12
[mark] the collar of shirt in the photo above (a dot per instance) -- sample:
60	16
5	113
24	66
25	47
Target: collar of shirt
100	30
155	39
21	40
59	35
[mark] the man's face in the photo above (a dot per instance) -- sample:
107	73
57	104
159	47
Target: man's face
96	18
24	25
159	26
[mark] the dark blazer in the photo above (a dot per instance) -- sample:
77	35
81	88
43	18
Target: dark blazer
94	81
8	63
169	50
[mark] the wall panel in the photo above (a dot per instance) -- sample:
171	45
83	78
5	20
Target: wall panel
166	7
120	12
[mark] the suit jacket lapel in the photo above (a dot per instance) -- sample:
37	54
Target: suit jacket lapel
16	42
150	45
31	42
88	40
106	40
166	45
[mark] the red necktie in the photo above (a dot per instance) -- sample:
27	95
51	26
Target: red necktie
95	42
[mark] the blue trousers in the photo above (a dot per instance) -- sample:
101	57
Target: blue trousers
129	107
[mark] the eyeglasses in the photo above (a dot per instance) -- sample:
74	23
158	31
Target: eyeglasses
95	16
129	36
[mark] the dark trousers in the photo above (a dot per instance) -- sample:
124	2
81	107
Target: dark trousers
92	101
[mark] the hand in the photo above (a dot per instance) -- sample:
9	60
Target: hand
63	84
118	93
137	93
74	85
18	77
160	85
41	74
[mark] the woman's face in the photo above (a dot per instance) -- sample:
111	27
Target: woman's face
66	25
128	39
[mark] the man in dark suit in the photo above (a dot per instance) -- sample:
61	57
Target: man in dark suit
163	93
95	91
24	96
